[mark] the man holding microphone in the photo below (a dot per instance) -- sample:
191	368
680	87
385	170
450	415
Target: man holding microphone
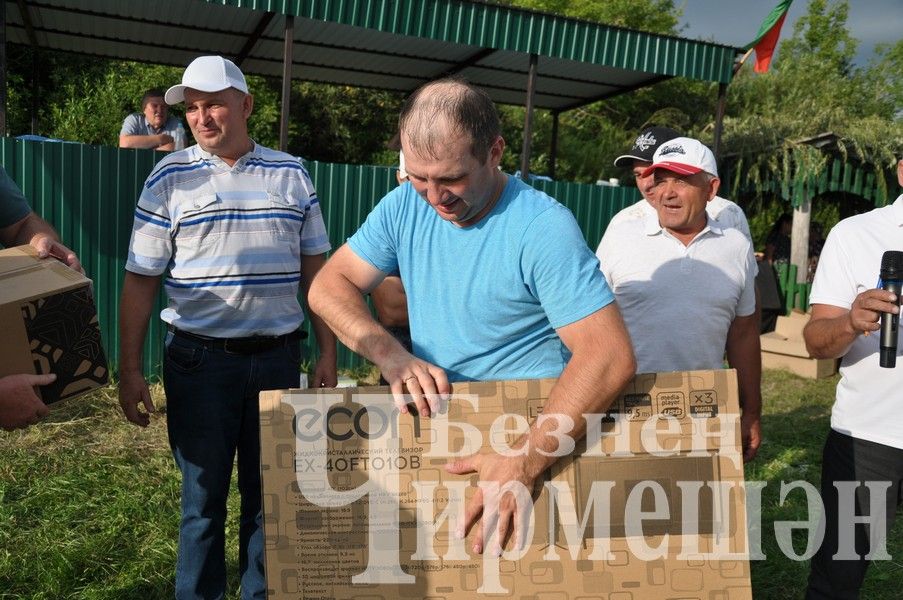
865	443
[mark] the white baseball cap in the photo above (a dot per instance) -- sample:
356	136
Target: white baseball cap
684	156
208	74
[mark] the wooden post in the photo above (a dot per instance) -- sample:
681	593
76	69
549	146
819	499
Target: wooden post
286	81
799	240
553	151
3	69
719	118
528	119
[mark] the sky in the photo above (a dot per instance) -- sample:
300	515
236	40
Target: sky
736	22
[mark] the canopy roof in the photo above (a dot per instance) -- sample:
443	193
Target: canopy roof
385	44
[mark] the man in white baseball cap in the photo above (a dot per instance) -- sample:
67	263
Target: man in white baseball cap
236	228
686	285
208	74
639	158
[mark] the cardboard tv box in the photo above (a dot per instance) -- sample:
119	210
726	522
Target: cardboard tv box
357	503
785	348
49	324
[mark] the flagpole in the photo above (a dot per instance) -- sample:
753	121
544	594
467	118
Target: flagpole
721	105
742	60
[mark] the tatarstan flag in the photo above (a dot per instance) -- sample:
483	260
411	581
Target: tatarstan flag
767	38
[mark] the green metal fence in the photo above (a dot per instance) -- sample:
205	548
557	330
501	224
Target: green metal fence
88	193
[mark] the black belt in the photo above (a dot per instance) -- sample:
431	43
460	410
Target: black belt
243	345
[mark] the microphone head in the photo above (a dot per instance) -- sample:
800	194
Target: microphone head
892	265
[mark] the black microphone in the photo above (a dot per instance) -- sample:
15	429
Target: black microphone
892	281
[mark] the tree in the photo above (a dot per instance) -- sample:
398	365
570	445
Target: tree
656	16
812	89
591	136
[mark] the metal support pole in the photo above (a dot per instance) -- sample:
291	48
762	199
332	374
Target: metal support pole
719	118
286	81
528	119
35	86
3	69
553	151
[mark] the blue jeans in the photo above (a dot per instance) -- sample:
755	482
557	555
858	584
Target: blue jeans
212	412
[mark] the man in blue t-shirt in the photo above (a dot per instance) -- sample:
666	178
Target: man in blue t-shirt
500	285
20	406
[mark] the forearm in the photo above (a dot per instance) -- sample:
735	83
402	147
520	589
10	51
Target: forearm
326	341
341	306
390	302
830	338
745	356
591	381
31	229
136	305
146	142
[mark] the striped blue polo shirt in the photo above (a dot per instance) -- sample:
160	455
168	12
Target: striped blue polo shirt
230	240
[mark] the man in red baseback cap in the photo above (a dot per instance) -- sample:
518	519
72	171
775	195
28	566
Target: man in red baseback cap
686	284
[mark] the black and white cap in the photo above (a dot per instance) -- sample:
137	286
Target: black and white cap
645	145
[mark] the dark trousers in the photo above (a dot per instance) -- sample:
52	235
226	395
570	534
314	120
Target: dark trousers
849	459
212	414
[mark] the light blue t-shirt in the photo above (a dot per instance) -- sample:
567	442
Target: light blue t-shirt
484	301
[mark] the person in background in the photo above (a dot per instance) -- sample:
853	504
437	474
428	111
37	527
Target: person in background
20	405
686	285
865	442
777	244
501	285
153	127
639	158
237	228
389	298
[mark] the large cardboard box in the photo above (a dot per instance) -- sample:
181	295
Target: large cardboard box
357	503
49	324
785	348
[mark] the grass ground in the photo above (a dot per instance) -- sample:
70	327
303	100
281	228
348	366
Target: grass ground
89	503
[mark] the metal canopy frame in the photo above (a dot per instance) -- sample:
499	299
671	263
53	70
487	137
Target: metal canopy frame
519	57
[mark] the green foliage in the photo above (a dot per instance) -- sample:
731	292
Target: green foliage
343	124
887	85
86	100
591	136
656	16
814	89
263	125
90	108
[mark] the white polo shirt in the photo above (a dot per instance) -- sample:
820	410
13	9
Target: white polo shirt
728	214
869	403
678	301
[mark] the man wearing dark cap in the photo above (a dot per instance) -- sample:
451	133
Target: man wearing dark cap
727	213
686	284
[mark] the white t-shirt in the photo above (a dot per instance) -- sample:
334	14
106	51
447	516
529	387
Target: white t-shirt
727	213
678	301
869	403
